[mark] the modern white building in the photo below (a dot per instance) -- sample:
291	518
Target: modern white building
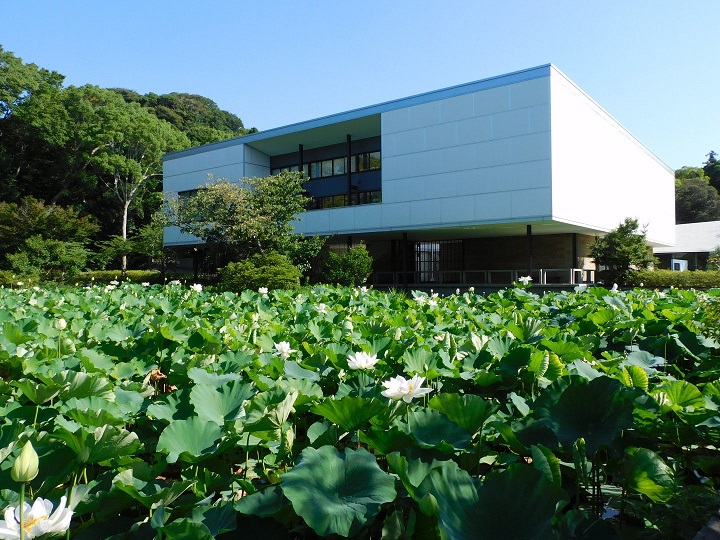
474	184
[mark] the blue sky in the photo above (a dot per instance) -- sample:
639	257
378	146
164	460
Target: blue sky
652	64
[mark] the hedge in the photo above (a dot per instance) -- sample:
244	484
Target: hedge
662	279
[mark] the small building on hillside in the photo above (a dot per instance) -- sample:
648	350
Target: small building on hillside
693	244
475	184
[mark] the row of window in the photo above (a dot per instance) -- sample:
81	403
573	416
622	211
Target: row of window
333	201
368	161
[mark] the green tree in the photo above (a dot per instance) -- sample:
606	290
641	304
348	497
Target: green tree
130	161
696	200
48	259
712	169
271	270
255	216
349	268
620	251
31	217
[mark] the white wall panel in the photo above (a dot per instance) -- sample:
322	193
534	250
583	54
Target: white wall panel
601	173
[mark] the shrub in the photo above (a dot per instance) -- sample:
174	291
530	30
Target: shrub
661	279
350	268
271	270
106	276
9	279
47	259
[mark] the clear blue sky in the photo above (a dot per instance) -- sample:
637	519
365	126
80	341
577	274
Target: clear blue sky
652	64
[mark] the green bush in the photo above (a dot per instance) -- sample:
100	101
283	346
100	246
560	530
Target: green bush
10	279
106	276
350	268
271	270
662	279
47	259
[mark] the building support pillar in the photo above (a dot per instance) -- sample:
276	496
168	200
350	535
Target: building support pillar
404	261
529	249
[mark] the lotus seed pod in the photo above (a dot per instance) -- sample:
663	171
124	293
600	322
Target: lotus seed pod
25	467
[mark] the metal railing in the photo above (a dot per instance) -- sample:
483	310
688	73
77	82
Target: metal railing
541	276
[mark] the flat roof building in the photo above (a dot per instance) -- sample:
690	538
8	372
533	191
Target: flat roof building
474	184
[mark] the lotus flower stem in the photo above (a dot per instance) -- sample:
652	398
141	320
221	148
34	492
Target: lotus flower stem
21	508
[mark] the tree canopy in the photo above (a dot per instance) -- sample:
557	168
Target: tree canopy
248	217
621	250
95	151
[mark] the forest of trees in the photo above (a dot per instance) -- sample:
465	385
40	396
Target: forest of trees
81	167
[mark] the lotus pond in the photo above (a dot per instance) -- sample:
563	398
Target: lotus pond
173	412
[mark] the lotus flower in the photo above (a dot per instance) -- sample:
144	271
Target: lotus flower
263	290
362	360
283	350
25	467
400	388
525	280
196	287
38	519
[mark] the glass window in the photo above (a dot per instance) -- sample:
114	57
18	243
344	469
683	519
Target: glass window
374	160
315	170
338	166
327	166
353	164
294	168
306	169
362	162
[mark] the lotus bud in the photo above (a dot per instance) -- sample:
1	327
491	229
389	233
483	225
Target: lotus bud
61	324
429	505
25	467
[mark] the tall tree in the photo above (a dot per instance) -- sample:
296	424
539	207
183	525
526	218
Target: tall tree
621	250
254	216
695	201
130	161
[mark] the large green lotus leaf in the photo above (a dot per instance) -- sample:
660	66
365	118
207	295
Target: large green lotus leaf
349	412
218	518
596	410
36	392
647	473
149	494
296	371
420	361
187	530
385	440
86	384
190	440
220	405
634	377
467	411
412	472
432	429
269	410
545	461
202	376
681	394
100	444
93	411
175	406
337	493
95	361
263	503
518	503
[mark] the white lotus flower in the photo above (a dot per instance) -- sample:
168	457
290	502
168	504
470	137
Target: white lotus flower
38	519
322	309
114	282
145	284
61	324
196	287
525	280
614	288
362	360
400	388
283	350
263	290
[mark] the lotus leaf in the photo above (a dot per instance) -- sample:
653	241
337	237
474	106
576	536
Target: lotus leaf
337	493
